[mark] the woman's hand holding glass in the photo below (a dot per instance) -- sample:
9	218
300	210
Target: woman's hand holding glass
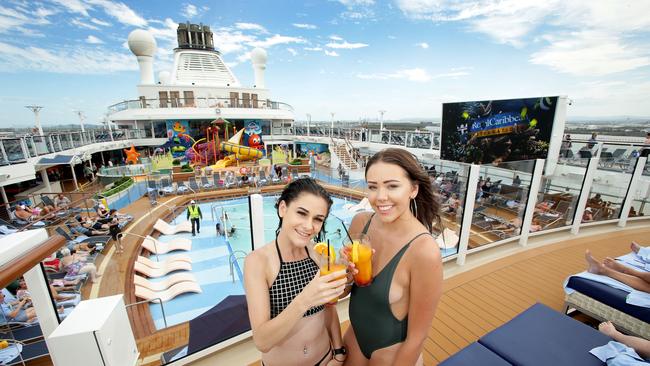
322	289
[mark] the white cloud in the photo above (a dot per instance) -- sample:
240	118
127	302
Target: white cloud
346	45
313	48
121	12
304	26
251	26
23	19
76	60
275	40
228	41
585	38
93	40
423	45
100	22
590	53
82	24
331	53
292	51
334	37
357	2
74	6
190	11
416	74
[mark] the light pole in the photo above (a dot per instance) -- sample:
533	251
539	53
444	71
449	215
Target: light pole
332	123
381	119
308	123
81	119
36	109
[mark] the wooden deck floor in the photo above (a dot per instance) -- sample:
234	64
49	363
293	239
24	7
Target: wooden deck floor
476	302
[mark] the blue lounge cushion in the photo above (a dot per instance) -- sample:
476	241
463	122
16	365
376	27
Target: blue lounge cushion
609	296
475	354
540	336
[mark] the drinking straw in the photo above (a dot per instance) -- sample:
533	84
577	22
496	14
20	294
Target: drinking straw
328	255
346	231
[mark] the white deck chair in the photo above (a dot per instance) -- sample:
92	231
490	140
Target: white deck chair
164	284
168	229
167	262
159	272
168	294
155	246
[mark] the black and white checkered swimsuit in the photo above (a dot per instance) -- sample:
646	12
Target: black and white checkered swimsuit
291	279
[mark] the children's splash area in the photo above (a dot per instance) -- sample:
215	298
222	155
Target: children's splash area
217	260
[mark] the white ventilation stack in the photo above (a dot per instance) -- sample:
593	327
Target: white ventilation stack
258	57
143	45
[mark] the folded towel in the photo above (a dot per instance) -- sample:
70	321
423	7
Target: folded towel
644	254
635	261
617	354
634	297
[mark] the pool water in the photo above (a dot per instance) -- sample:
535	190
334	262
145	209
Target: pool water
211	253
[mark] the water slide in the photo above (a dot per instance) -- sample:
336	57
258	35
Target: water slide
238	151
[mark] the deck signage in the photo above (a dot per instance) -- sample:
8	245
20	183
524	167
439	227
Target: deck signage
495	131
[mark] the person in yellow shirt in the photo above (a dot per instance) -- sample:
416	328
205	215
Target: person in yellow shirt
195	216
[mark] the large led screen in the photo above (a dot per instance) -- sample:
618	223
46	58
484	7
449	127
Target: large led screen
495	131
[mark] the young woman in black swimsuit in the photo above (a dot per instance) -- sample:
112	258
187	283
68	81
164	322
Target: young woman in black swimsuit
284	290
390	318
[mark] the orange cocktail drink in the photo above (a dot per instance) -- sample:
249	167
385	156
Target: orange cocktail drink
363	263
326	269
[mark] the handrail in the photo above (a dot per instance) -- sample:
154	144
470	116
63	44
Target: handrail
233	258
162	308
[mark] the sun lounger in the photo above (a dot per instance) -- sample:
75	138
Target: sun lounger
205	183
263	181
22	332
607	303
193	185
153	272
539	336
216	180
181	188
167	262
168	229
99	239
168	294
155	246
165	283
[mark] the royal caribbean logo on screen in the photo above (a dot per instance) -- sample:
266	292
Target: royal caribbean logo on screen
495	131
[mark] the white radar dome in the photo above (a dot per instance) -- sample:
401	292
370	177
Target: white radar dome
142	43
258	56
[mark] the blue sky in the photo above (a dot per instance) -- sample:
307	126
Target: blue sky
348	57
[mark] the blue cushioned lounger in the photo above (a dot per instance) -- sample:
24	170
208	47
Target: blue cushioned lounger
608	296
540	336
475	354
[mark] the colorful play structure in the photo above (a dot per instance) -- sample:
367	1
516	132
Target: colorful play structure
211	151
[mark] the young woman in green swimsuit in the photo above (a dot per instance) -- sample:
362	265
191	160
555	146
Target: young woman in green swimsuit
391	317
284	290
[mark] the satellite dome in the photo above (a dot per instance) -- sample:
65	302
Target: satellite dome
258	56
142	43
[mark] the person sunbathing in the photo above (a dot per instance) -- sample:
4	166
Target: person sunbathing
75	265
25	213
93	225
640	345
82	230
638	280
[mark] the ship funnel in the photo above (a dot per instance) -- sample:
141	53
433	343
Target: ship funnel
143	45
258	58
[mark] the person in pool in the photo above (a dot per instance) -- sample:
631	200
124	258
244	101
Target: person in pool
390	318
284	290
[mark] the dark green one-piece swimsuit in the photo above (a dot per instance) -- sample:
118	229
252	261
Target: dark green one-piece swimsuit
373	321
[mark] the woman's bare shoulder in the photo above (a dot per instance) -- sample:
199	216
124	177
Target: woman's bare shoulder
359	220
424	249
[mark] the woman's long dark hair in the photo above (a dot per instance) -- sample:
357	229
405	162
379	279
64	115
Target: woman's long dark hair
295	189
428	207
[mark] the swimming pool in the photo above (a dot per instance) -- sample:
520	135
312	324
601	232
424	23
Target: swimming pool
211	253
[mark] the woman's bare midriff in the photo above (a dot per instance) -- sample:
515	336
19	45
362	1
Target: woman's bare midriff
309	333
